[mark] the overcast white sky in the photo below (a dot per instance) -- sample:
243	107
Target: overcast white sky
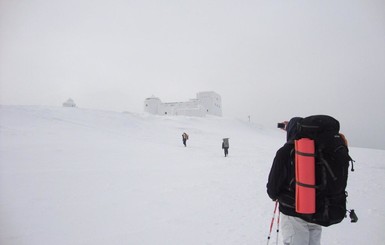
268	59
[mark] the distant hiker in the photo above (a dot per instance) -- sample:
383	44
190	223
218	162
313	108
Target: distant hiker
225	146
310	197
184	138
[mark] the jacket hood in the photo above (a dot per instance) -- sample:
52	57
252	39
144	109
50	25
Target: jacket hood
292	128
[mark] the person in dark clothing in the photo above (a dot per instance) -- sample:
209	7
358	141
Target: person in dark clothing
184	139
281	188
226	146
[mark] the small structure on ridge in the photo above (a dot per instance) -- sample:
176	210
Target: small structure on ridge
69	103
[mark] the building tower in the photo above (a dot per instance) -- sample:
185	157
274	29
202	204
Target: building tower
151	105
212	102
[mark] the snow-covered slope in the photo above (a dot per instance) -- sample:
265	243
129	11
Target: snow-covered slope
77	176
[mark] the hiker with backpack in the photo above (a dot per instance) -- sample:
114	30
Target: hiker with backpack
226	146
184	139
295	231
308	178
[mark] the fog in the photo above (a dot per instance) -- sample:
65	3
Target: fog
270	60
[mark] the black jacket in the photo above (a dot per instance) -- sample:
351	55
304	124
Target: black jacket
280	185
281	182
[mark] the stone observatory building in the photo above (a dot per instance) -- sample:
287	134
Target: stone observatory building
206	103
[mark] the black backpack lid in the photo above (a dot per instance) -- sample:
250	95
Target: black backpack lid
317	125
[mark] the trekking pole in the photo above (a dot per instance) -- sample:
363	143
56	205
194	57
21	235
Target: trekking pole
279	214
272	222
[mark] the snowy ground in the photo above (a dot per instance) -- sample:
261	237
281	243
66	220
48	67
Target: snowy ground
77	176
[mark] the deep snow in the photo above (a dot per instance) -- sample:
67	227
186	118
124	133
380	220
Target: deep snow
78	176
